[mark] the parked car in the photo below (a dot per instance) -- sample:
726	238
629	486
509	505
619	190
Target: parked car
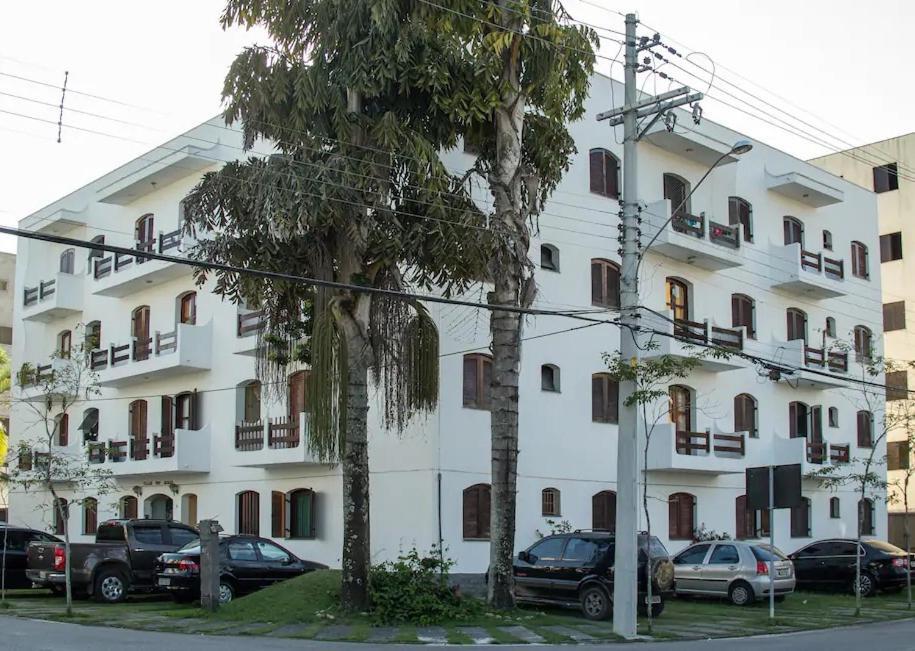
733	569
122	558
576	570
17	543
831	564
246	564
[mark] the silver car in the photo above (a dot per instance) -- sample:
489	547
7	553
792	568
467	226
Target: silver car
733	569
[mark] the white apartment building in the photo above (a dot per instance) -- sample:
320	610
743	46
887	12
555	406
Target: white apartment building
177	368
7	284
886	168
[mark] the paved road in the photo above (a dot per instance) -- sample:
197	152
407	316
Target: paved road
17	634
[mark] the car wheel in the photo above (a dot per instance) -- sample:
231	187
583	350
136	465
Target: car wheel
226	592
595	603
110	587
741	594
866	584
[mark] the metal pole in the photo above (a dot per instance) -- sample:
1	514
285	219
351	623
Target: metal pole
625	584
772	542
209	564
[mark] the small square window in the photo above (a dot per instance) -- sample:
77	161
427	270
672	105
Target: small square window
886	178
894	316
891	247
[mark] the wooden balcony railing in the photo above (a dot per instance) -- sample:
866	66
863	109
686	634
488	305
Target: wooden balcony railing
170	240
166	342
164	445
101	267
97	452
144	246
689	224
729	443
838	361
142	348
283	432
249	436
44	289
816	452
811	261
29	375
728	236
814	356
139	448
98	359
693	331
122	260
119	354
25	460
249	323
834	268
692	442
117	451
727	337
840	453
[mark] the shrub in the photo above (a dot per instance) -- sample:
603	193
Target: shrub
414	589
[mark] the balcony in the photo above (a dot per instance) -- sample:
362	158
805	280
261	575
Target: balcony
691	145
246	328
806	273
697	452
815	368
34	379
58	296
120	275
694	239
812	455
804	189
182	452
60	221
186	349
279	441
719	346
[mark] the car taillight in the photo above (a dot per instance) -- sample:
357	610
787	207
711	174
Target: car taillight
60	559
762	568
188	566
900	562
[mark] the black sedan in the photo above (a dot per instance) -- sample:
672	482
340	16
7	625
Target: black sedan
831	564
17	541
247	563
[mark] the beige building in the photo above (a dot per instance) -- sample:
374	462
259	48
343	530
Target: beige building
7	286
888	169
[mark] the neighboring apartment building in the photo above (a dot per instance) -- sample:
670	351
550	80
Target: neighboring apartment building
190	434
888	169
7	283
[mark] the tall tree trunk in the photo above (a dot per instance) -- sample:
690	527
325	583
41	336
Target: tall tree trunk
510	265
58	510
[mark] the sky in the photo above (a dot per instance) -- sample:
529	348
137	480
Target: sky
154	70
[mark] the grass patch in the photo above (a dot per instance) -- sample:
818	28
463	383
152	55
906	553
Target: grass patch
455	636
501	637
304	599
406	635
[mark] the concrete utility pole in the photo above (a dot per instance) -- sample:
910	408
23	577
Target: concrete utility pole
209	564
625	591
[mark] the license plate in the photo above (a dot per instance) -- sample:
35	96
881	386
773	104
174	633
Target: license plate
655	599
781	573
165	581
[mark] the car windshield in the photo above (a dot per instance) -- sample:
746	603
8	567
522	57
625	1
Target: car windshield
192	547
768	553
884	547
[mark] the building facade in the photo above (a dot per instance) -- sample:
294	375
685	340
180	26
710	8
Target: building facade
7	285
189	433
881	167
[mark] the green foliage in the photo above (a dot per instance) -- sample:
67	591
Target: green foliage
555	527
652	375
702	534
414	590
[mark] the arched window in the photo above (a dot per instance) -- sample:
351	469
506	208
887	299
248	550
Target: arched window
278	514
62	429
138	419
64	344
743	313
750	524
187	410
827	240
90	516
477	381
798	419
475	512
61	515
681	516
248	513
549	377
793	230
89	424
830	327
187	308
678	298
676	190
603	511
251	401
549	502
189	509
93	335
834	508
549	257
745	418
128	508
864	344
139	329
605	398
800	519
741	212
681	409
297	393
866	516
797	324
145	233
158	507
605	283
833	413
865	428
67	260
605	173
301	513
859	260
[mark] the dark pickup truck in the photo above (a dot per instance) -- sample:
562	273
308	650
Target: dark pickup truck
122	558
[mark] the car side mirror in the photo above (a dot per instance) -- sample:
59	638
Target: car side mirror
524	556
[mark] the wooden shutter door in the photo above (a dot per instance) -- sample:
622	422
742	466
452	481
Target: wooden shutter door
63	430
596	170
792	420
470	513
485	382
167	408
485	506
673	517
193	400
597	284
597	398
740	512
277	514
611	175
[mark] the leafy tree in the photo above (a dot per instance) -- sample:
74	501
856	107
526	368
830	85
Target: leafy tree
356	99
525	75
39	463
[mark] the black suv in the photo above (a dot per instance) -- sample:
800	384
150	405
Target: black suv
831	564
17	541
576	570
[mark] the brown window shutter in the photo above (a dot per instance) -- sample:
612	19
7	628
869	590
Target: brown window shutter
277	514
673	517
597	284
485	506
168	415
485	385
740	512
597	398
792	420
736	312
613	286
470	512
686	516
63	430
596	170
470	381
611	176
194	409
613	401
